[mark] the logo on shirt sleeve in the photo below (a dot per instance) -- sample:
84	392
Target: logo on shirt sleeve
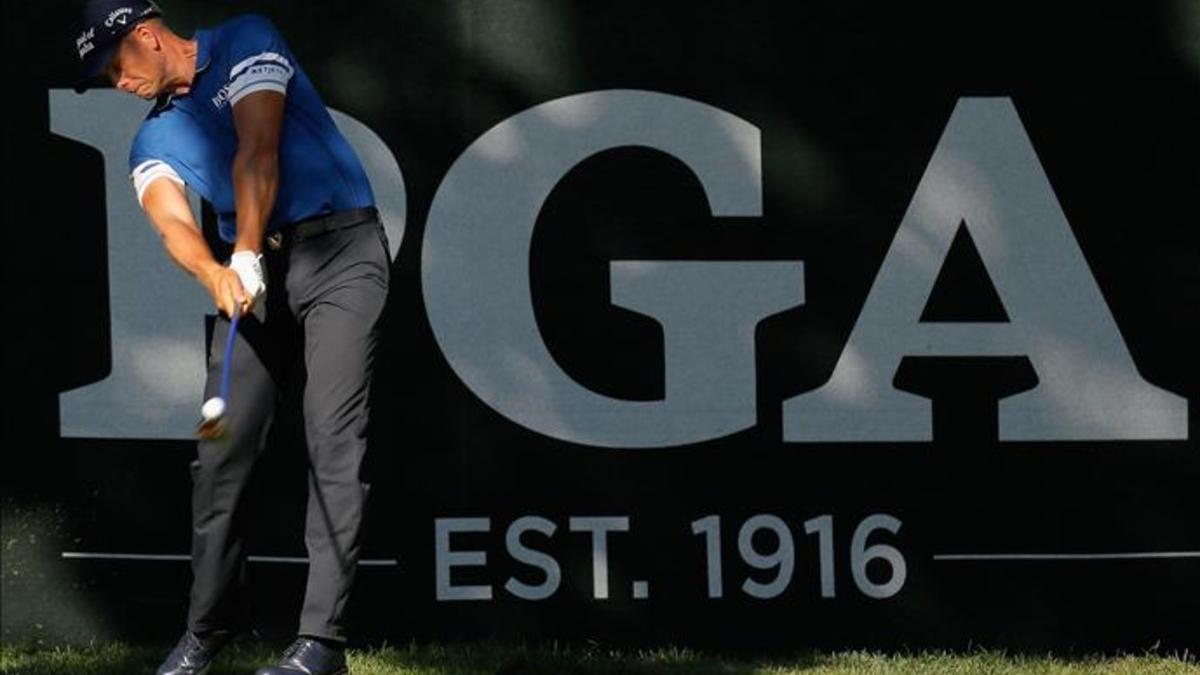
264	71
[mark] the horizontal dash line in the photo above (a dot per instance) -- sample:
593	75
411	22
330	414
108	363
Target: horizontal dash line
1146	555
77	555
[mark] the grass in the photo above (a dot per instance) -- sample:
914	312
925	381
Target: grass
496	659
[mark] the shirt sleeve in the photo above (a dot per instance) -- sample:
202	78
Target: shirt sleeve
261	60
147	159
149	171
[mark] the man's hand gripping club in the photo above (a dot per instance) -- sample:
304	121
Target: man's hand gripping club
238	287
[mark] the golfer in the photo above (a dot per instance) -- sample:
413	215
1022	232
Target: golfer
234	119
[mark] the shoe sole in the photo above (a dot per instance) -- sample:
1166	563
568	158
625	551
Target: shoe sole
204	670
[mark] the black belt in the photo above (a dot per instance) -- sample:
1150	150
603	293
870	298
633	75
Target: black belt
318	225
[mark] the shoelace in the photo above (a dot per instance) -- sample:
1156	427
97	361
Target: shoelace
293	649
189	647
184	644
198	645
195	643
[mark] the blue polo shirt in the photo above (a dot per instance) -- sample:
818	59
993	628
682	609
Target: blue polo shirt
191	139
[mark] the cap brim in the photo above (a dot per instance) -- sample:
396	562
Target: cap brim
89	83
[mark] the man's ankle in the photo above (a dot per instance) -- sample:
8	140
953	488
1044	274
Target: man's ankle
338	645
213	633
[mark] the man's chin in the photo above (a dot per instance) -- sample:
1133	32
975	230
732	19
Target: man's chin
146	92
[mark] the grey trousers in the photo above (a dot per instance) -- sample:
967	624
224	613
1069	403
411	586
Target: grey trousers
324	302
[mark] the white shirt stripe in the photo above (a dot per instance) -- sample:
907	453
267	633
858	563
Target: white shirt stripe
266	71
149	171
264	56
261	85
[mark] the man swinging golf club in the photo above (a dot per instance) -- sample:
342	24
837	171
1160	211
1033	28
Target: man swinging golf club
237	121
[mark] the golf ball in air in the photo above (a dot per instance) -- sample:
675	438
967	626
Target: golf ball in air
213	408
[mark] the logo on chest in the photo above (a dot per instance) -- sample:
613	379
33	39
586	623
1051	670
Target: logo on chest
221	98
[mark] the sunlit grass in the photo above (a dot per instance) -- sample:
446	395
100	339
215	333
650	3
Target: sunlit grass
496	659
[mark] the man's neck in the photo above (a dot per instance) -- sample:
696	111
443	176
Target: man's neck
187	50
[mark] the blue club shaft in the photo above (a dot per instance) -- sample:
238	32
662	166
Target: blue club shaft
226	365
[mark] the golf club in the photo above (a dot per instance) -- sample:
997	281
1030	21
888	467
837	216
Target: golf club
212	413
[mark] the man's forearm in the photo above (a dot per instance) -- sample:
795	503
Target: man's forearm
187	248
255	181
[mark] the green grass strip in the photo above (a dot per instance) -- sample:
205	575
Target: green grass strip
498	659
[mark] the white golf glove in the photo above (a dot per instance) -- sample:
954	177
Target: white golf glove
248	266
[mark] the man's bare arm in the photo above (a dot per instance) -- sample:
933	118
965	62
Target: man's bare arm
165	202
258	118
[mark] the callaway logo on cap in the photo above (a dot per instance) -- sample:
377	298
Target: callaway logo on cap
102	24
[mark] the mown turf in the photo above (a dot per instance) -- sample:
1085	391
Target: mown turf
494	659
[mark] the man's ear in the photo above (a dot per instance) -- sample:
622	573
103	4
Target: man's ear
146	34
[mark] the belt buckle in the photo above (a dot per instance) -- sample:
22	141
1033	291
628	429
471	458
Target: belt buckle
275	240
